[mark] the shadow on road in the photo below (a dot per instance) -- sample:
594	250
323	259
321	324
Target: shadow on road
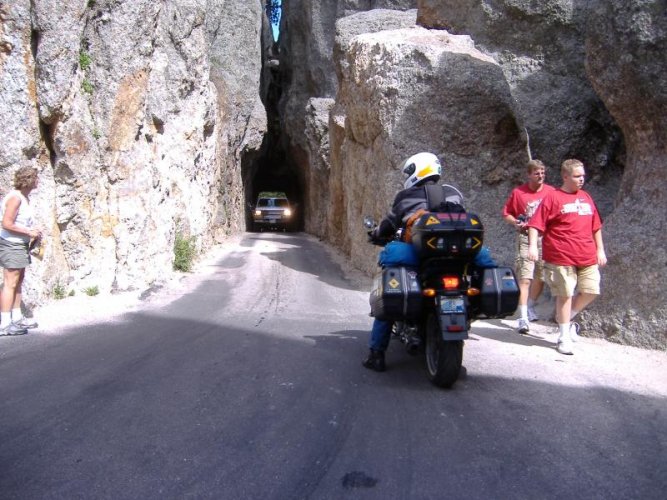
298	253
192	408
500	332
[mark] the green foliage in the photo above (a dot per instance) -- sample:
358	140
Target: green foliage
87	86
58	291
184	253
71	293
91	3
84	60
96	133
91	291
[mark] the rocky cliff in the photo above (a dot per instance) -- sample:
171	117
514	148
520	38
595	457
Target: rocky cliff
581	71
626	43
139	115
148	121
541	48
484	86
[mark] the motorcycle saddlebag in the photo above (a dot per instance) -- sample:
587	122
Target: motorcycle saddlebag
448	234
396	294
499	295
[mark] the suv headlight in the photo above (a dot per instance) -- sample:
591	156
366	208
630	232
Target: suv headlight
258	213
287	212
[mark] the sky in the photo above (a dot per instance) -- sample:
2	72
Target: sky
276	28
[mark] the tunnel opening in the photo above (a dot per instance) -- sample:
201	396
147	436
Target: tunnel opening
272	170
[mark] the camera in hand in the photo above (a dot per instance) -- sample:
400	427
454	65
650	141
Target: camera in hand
37	248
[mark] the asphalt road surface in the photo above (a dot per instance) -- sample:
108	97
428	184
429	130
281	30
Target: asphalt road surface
248	384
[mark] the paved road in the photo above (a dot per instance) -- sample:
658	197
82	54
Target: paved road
250	386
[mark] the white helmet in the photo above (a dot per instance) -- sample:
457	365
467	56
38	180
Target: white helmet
421	167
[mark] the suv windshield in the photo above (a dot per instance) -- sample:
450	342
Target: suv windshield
273	202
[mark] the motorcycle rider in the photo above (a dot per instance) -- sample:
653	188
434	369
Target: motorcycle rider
420	170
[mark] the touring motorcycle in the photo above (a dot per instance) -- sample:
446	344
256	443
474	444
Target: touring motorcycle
447	280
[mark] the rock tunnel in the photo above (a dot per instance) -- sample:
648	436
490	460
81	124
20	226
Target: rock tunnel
272	169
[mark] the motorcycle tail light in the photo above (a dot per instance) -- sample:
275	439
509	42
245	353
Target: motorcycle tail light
472	292
428	292
450	282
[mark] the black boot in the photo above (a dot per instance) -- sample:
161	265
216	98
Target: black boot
375	361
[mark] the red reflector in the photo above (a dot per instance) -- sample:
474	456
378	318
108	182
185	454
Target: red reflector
450	282
454	328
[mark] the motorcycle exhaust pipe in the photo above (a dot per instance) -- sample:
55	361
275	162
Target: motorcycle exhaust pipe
412	346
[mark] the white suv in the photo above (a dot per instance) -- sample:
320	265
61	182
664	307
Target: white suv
272	211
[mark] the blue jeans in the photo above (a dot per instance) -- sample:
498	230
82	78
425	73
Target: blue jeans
380	335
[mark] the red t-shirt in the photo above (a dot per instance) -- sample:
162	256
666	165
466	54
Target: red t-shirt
568	222
524	201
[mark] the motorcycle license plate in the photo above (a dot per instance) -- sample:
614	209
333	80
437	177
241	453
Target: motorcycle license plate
452	306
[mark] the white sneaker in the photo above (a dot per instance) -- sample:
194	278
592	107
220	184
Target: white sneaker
12	329
565	347
574	331
532	315
26	323
523	326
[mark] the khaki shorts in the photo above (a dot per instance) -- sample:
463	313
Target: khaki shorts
523	266
563	280
14	255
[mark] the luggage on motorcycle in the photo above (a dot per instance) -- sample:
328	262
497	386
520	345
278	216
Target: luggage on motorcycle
397	253
396	294
407	232
483	259
451	234
499	295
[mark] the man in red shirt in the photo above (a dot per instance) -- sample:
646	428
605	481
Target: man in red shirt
572	248
519	208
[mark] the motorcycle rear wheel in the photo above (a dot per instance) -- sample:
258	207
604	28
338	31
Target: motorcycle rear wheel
443	358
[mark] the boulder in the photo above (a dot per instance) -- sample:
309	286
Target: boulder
541	46
410	90
308	30
316	118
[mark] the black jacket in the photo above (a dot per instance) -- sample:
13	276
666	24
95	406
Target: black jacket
408	201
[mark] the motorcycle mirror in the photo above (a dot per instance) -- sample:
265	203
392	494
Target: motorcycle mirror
369	223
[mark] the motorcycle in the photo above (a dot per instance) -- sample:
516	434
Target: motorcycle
433	300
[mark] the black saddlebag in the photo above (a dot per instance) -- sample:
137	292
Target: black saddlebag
499	292
396	294
448	234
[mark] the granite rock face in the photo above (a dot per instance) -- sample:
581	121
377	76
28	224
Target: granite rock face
587	75
558	78
139	115
626	43
317	148
541	48
410	90
308	31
